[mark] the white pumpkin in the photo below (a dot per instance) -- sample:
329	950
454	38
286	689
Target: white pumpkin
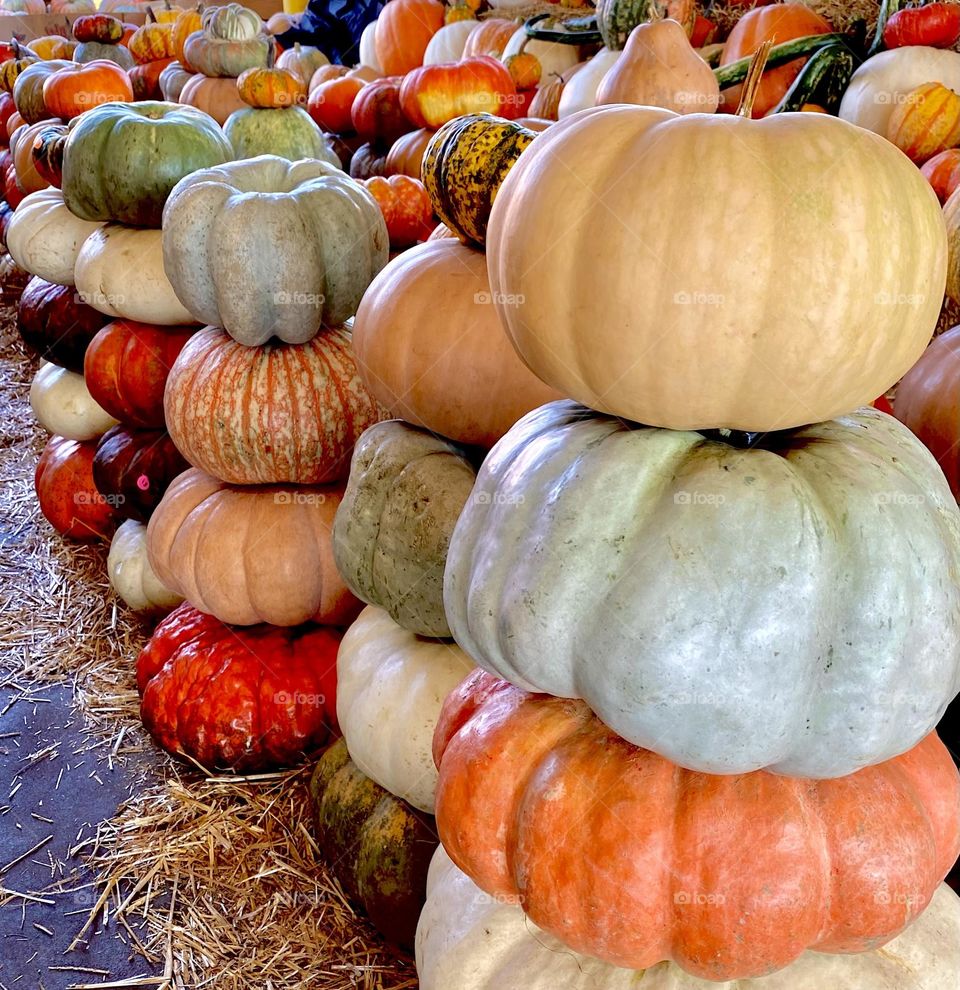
62	404
120	272
368	51
45	238
131	575
581	91
448	43
391	685
884	81
553	57
468	940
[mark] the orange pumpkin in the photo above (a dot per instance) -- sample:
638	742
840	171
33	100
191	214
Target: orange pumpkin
186	23
404	29
943	173
406	153
405	206
152	42
68	497
524	69
434	94
546	101
72	90
28	178
52	46
324	74
269	87
145	79
330	103
926	122
216	96
490	37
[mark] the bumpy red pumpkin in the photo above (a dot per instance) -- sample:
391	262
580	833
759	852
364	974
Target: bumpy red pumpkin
52	320
376	112
250	699
68	497
631	859
405	206
936	25
434	94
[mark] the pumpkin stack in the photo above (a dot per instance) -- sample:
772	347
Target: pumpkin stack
152	48
98	38
735	626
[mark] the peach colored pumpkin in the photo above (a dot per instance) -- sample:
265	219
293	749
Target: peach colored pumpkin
217	97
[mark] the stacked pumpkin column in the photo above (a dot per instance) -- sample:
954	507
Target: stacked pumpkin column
714	646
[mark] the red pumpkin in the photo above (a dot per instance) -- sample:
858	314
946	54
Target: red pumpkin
72	90
145	79
406	154
704	31
331	102
376	113
68	496
629	858
367	161
345	146
7	109
406	208
434	94
126	368
56	324
98	27
943	173
404	29
11	191
248	699
936	25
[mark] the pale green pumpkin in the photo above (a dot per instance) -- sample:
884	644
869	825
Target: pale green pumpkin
289	133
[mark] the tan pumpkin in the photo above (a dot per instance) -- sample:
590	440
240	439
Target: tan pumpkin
545	104
489	37
63	405
215	96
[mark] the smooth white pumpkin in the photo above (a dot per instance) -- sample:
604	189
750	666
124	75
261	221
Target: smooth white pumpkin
883	82
468	940
368	51
391	685
120	272
581	91
554	58
45	238
131	575
62	404
448	43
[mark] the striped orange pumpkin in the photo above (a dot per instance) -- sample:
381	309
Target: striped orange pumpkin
943	173
926	122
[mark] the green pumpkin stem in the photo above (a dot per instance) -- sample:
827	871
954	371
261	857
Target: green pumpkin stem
751	85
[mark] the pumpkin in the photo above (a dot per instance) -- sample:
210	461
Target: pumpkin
781	22
367	161
883	299
276	413
122	161
133	468
404	29
94	51
390	687
516	770
581	92
54	322
377	846
52	46
302	61
375	113
926	122
326	239
231	22
131	575
617	18
7	110
464	166
406	208
145	80
936	24
268	87
763	694
367	47
13	279
187	23
29	7
13	66
152	42
942	171
330	103
63	405
658	68
434	94
406	153
76	89
324	74
173	78
168	13
247	699
525	70
73	7
285	133
554	58
120	272
391	533
545	104
217	97
47	153
448	43
215	56
97	27
411	372
468	940
489	37
45	237
126	367
28	178
249	555
28	89
68	497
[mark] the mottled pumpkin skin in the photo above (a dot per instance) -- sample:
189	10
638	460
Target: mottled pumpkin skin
268	414
66	491
406	490
223	56
248	699
378	846
53	321
617	18
92	51
287	132
632	860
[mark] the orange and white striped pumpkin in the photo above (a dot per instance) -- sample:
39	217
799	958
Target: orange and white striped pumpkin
926	122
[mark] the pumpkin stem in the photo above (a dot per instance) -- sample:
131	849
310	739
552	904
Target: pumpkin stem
751	84
271	56
151	16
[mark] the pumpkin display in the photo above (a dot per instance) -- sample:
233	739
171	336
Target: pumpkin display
581	93
97	27
330	104
410	372
464	166
404	29
406	153
173	79
659	68
468	940
120	273
68	497
517	769
775	661
302	61
28	89
926	123
131	575
276	413
271	87
434	94
375	113
617	18
882	308
214	55
391	685
942	171
247	699
122	161
377	846
406	490
286	133
300	281
217	97
94	51
250	555
63	405
406	208
56	324
45	237
448	43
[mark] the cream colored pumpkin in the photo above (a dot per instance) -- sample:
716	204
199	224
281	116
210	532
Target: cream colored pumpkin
391	685
448	43
612	268
554	58
468	940
883	82
120	272
131	575
62	404
368	51
45	238
580	92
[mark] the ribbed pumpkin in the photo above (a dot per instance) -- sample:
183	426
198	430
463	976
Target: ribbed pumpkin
406	153
283	132
54	322
942	171
145	80
406	490
839	866
377	846
617	18
302	61
152	42
47	152
131	575
268	87
249	555
173	80
63	405
186	23
68	497
275	413
224	57
926	122
489	37
404	29
464	166
217	97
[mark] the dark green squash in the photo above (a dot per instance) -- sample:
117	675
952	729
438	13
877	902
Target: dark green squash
822	81
378	847
617	18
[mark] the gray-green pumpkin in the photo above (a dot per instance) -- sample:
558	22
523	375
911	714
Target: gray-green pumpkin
287	132
406	490
90	51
